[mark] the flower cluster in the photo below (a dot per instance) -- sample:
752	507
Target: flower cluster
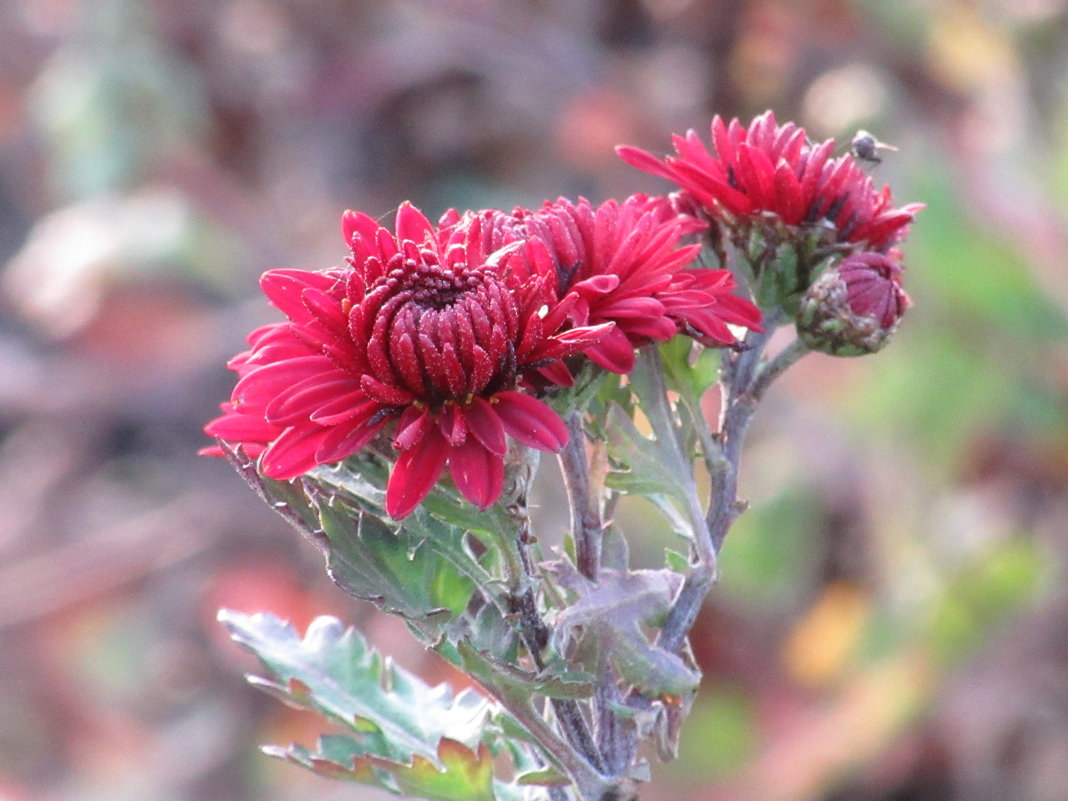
766	168
433	335
626	264
791	206
432	344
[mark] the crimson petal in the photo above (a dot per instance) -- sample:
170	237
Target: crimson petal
530	421
477	473
415	473
614	353
486	426
293	453
343	441
237	427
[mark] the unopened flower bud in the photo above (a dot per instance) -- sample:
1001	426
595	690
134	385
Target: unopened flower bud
853	308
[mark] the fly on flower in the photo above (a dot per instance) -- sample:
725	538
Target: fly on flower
865	147
786	203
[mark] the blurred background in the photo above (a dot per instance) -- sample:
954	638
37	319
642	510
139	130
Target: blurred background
892	620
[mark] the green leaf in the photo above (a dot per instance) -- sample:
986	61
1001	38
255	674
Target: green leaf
403	735
363	477
443	519
607	618
675	561
491	633
689	369
647	467
504	678
398	572
545	777
591	382
334	671
441	568
289	499
458	773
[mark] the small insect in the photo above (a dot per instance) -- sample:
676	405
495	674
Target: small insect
864	147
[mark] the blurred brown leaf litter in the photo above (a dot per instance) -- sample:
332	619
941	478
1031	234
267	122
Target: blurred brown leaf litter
891	621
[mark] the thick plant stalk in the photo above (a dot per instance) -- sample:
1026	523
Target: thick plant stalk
586	525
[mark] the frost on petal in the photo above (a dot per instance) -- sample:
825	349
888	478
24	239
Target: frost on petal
428	334
285	289
234	426
293	452
530	421
412	225
764	168
415	473
413	425
614	353
486	426
304	398
358	227
344	440
644	161
263	384
477	473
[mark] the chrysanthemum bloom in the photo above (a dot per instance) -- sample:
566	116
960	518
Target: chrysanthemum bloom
628	265
854	307
424	330
769	179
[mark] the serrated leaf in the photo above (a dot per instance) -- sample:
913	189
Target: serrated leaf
649	469
642	456
460	773
491	633
442	570
590	383
364	479
333	670
289	496
615	550
689	369
373	560
359	481
607	618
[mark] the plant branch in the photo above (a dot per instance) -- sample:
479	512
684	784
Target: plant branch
616	738
745	381
739	376
702	576
587	528
589	782
616	741
772	369
655	405
535	636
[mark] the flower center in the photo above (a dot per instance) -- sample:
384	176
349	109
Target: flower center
434	286
444	332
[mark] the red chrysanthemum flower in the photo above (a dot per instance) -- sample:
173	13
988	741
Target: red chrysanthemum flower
766	167
423	328
627	264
